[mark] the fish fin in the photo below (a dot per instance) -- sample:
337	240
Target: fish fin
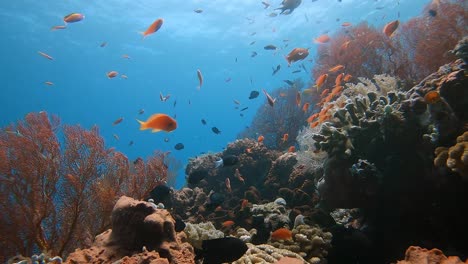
156	130
142	124
219	163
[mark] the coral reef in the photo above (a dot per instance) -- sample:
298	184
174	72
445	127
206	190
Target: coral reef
265	254
140	234
455	157
417	255
196	233
276	215
309	242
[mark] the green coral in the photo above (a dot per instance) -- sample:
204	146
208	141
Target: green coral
309	242
265	254
196	233
455	157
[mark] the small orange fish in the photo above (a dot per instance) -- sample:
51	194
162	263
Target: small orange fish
244	203
125	56
49	83
227	182
432	97
339	78
285	137
218	208
324	92
298	99
153	27
239	176
118	121
73	17
292	149
337	90
281	234
228	224
47	56
321	80
314	124
112	74
58	27
297	54
322	39
248	150
200	79
282	94
270	99
346	24
390	28
347	77
159	122
260	139
336	68
305	107
312	117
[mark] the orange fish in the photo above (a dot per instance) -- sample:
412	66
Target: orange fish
228	224
200	79
159	122
347	77
125	56
346	24
285	137
112	74
312	117
324	92
73	17
305	107
282	94
338	79
153	27
390	27
337	90
336	68
118	121
239	176
58	27
314	124
321	80
248	150
322	39
298	99
281	234
260	139
292	149
296	55
270	99
432	97
244	203
47	56
49	83
344	47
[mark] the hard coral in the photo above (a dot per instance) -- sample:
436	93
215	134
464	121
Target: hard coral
196	233
417	255
454	157
265	254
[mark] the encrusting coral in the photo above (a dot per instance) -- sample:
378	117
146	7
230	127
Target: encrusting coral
454	157
276	214
196	233
265	254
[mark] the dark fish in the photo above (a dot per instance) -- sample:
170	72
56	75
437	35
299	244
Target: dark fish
253	54
289	82
432	12
306	17
241	114
130	143
198	10
216	130
276	70
251	43
288	6
303	67
203	121
141	111
220	250
251	81
243	109
296	71
179	146
236	59
227	161
160	193
175	103
270	47
138	160
254	94
179	224
196	176
216	199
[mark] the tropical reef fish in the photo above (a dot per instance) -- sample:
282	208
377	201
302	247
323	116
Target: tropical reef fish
203	121
216	130
141	111
49	83
285	137
118	121
336	68
432	97
276	70
254	94
227	182
292	149
159	122
179	146
288	6
198	10
297	54
260	139
112	74
390	27
47	56
153	27
58	27
160	193
270	99
253	54
281	234
226	161
245	108
73	17
265	4
321	80
322	39
103	44
164	98
289	82
346	24
200	79
270	47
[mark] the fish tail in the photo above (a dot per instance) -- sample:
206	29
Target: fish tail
142	125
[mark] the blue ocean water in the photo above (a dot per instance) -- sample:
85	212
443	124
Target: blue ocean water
218	41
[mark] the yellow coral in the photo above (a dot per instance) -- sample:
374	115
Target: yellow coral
454	157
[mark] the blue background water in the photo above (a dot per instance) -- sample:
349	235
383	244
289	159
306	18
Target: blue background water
163	62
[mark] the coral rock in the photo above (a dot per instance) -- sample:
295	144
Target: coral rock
417	255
